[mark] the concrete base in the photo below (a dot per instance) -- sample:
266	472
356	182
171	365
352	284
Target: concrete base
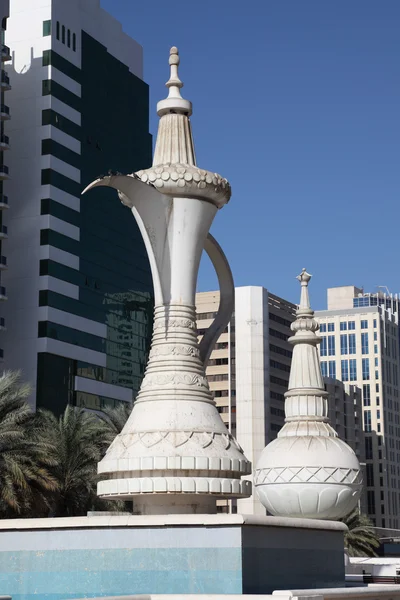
55	559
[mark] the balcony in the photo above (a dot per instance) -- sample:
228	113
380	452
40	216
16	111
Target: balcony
3	293
4	142
4	172
5	53
3	263
3	232
4	112
3	202
5	82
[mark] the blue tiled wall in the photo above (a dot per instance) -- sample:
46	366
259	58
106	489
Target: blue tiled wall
65	574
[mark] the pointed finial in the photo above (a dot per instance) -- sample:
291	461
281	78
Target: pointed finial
304	279
174	102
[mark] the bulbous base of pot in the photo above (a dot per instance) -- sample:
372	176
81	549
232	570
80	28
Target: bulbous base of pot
309	501
314	477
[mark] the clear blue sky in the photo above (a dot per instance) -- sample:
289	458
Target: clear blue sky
297	103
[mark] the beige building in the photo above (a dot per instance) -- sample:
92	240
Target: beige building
360	346
248	373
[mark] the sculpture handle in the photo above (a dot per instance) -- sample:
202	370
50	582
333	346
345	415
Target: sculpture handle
227	297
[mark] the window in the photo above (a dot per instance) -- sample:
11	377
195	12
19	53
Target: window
375	336
376	374
323	348
374	323
376	348
377	401
331	345
58	30
378	428
376	362
344	346
324	369
366	394
69	38
370	475
331	326
63	34
352	343
46	28
353	369
345	370
377	388
365	368
74	42
352	325
332	369
364	343
364	324
378	414
367	422
368	448
322	327
343	326
371	502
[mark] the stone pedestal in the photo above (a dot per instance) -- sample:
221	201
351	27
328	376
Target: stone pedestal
167	554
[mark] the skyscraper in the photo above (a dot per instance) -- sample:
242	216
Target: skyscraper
77	324
360	345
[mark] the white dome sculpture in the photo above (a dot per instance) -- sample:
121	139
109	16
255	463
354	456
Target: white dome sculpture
307	471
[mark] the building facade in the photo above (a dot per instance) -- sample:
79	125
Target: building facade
79	282
248	370
248	373
360	345
4	147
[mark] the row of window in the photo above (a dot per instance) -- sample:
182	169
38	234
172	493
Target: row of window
281	320
62	34
328	369
206	315
278	334
278	365
282	351
345	325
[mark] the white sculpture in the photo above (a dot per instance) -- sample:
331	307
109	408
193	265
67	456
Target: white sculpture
307	471
175	453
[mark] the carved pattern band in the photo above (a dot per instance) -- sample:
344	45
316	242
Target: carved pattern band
307	475
164	379
175	485
162	323
203	439
179	350
187	179
241	466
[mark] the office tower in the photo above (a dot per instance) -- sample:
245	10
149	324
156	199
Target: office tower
79	282
4	146
248	370
360	345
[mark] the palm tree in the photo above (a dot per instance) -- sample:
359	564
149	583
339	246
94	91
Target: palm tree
25	480
115	418
361	539
78	440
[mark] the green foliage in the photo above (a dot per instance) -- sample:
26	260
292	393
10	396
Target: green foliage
361	539
25	477
48	465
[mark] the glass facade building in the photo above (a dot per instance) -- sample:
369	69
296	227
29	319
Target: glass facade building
94	298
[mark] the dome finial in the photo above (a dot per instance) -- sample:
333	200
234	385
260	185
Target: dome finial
174	102
304	279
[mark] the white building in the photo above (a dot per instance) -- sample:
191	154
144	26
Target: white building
76	87
360	345
248	373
